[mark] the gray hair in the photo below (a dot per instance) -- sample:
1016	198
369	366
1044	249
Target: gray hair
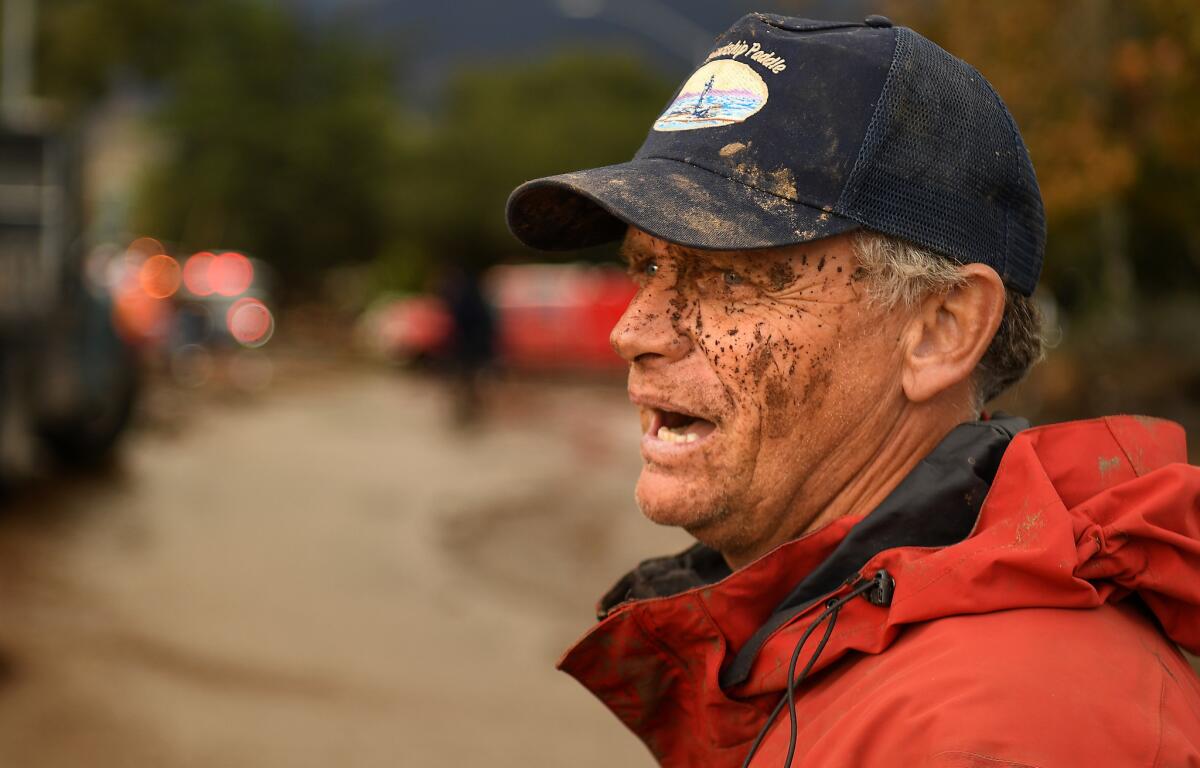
900	274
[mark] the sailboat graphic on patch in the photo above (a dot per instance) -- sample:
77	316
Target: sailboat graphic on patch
719	93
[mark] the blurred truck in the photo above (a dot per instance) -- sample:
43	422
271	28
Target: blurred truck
67	380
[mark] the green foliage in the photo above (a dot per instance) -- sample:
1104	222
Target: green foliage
1107	95
83	44
501	126
282	143
281	140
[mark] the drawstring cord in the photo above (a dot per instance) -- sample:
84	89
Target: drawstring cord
879	591
834	607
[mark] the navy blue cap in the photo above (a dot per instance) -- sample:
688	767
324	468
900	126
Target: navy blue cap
793	130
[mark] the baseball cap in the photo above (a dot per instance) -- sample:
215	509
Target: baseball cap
793	130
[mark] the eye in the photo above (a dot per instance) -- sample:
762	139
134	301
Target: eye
650	268
732	278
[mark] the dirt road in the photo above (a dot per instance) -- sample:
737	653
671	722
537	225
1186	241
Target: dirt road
326	577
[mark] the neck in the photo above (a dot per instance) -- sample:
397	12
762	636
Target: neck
860	472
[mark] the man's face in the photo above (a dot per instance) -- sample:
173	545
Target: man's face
749	368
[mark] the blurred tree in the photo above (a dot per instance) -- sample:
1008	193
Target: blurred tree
83	45
283	142
1108	99
499	126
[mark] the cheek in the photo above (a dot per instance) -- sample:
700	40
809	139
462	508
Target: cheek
779	414
776	373
799	395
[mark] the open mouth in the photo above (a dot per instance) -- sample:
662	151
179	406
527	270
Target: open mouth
677	427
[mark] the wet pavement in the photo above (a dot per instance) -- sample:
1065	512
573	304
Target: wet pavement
325	575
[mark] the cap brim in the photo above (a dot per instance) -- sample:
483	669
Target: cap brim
672	200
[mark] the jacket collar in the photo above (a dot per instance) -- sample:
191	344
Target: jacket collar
935	505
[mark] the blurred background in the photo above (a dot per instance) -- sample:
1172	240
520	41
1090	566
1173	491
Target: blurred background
305	461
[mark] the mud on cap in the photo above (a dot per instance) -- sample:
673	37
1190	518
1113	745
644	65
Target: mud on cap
794	130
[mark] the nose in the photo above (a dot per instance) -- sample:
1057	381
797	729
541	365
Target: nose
646	332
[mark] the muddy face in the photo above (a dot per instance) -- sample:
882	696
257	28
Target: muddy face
749	369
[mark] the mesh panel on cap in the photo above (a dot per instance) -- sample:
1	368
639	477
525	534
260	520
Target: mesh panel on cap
943	166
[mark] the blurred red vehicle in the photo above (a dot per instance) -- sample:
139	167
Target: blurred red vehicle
558	316
414	328
548	317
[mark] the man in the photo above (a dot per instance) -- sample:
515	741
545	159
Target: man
836	230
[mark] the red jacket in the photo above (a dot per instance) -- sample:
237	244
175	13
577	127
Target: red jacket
1022	644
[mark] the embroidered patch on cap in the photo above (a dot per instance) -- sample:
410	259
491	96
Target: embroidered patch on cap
719	93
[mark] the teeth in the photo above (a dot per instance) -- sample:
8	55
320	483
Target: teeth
667	435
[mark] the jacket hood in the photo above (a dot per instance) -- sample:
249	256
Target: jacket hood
1077	514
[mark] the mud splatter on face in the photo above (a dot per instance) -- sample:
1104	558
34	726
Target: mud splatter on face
761	361
767	346
781	274
779	403
816	385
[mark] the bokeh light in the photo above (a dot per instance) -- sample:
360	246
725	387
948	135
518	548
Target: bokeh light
145	247
159	276
230	274
196	274
250	322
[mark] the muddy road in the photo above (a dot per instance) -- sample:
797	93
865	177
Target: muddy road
325	575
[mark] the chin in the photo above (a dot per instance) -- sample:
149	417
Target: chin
677	502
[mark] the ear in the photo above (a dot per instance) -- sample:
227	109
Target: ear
949	333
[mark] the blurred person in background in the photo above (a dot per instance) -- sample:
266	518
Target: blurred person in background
472	343
836	232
